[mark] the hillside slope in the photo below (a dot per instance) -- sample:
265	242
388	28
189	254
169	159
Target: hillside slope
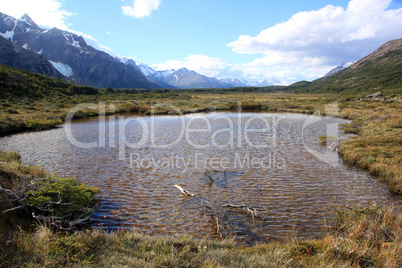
16	56
16	83
379	71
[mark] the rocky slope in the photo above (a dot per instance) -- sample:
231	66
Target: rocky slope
16	56
70	53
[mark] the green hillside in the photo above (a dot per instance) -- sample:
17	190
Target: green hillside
16	83
380	71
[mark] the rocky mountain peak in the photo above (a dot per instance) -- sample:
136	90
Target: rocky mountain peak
26	18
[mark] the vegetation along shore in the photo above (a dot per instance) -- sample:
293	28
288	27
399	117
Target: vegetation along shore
31	236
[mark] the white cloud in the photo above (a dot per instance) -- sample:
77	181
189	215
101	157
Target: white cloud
141	8
202	64
93	42
310	43
46	13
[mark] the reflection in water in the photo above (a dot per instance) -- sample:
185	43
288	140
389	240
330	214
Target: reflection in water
255	159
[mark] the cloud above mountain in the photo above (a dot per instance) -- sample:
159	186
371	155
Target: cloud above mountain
208	66
307	45
312	41
46	13
218	68
141	8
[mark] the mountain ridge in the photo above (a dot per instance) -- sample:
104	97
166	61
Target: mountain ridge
198	80
16	56
381	70
89	66
84	65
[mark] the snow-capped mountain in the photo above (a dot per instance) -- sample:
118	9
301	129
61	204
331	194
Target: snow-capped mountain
185	78
340	68
71	55
145	69
235	82
150	72
182	78
85	65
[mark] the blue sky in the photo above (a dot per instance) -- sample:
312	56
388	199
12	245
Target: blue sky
253	39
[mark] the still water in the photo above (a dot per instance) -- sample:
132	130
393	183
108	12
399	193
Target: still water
271	162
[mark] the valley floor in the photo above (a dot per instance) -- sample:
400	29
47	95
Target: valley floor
370	236
378	123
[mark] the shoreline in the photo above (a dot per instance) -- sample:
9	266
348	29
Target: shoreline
346	151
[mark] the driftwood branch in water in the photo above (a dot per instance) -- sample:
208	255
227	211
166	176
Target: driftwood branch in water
186	193
251	210
208	176
218	214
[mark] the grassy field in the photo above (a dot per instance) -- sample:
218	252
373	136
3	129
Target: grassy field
363	237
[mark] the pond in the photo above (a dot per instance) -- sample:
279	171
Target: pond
273	163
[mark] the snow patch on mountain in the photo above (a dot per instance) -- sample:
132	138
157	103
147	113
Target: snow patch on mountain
64	69
340	68
348	64
8	35
145	69
150	72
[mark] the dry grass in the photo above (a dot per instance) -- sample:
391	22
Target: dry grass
364	237
378	147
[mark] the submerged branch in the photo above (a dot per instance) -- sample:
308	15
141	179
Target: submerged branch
186	193
254	212
216	211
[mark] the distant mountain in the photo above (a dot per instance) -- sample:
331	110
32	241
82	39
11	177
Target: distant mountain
16	56
340	68
234	82
182	78
379	71
185	78
156	77
71	55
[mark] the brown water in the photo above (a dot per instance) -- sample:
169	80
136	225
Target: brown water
265	161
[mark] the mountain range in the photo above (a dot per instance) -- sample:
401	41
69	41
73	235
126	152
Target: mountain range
381	71
62	54
71	55
185	78
82	64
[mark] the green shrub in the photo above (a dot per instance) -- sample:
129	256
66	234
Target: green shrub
65	196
